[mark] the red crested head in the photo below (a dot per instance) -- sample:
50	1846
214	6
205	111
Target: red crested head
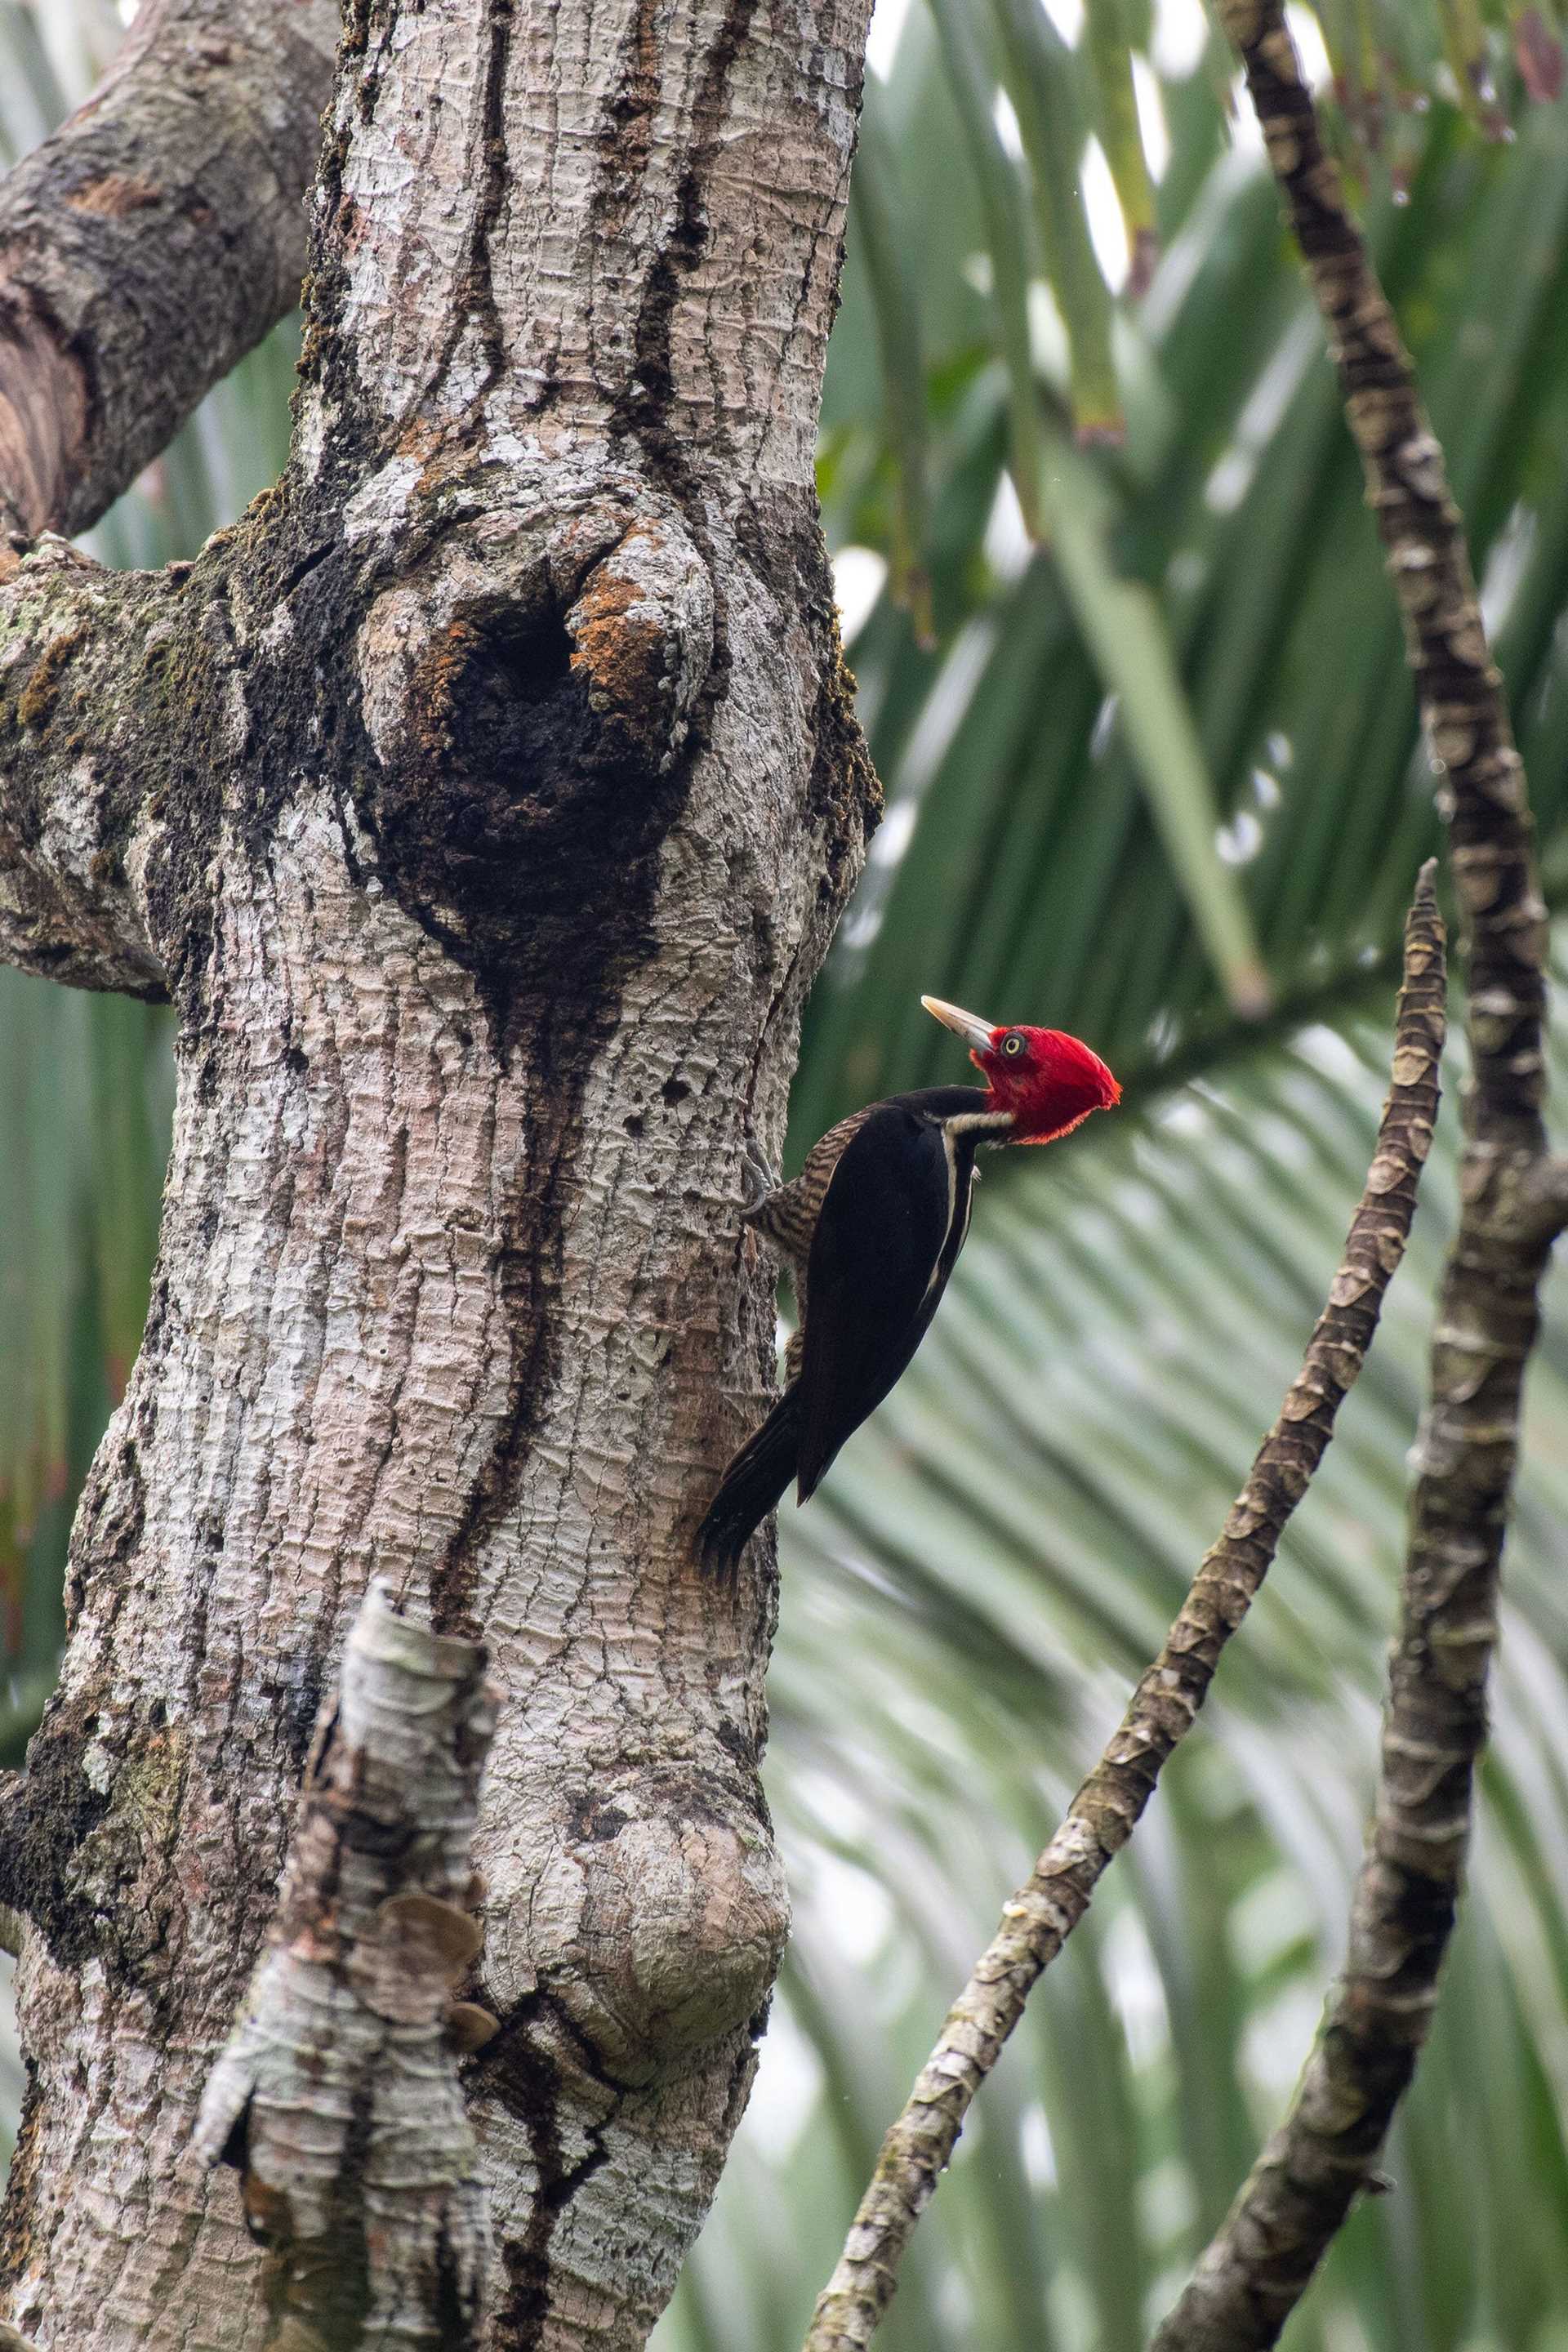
1049	1081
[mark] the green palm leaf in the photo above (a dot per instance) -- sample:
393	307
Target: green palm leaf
1026	868
999	1551
994	1557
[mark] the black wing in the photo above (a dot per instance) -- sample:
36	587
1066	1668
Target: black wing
879	1263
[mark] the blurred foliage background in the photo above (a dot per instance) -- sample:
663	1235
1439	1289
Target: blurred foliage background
1132	678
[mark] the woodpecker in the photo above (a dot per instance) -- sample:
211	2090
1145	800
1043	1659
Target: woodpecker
871	1230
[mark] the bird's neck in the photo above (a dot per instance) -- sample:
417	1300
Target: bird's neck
988	1122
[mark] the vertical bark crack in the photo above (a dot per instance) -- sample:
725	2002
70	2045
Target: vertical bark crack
531	1281
643	410
476	304
626	141
527	2078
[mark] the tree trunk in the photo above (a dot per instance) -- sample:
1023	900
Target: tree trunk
484	800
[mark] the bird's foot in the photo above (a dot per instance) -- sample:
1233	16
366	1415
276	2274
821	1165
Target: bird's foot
757	1180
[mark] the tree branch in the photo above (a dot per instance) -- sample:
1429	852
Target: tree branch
1463	709
1263	2257
1163	1708
150	243
1512	1196
337	2099
1543	1201
117	715
143	249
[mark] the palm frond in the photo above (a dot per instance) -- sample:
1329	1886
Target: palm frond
992	1558
1025	867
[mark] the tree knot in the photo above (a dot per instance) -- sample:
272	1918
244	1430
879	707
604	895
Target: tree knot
528	692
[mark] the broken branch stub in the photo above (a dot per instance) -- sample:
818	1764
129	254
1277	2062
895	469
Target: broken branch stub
336	2099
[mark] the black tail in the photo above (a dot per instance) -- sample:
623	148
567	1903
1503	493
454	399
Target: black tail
749	1489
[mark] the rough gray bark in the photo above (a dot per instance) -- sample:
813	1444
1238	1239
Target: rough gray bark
150	243
337	2100
90	833
484	801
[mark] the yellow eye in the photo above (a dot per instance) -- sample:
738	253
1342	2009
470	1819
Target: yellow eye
1012	1045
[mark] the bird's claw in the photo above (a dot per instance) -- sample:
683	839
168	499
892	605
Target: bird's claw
757	1180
